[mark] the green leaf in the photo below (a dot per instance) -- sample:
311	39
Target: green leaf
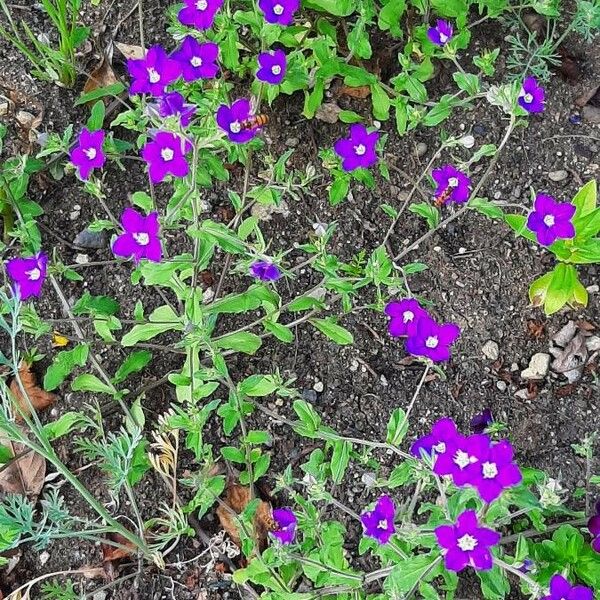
5	454
243	341
206	495
585	200
467	82
90	383
281	332
397	427
258	385
64	425
223	236
256	437
310	422
247	227
161	320
429	212
518	223
63	364
337	8
381	102
407	573
233	454
494	584
349	116
304	303
96	119
339	190
587	226
143	200
110	90
95	305
333	331
340	458
487	208
134	363
450	8
390	15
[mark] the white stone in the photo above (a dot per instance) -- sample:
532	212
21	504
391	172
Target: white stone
538	366
490	350
82	259
318	387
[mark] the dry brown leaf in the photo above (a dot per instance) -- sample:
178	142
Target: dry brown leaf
113	553
361	92
24	476
39	398
102	76
237	498
328	112
129	51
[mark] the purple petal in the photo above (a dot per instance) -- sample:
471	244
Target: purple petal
446	536
594	525
482	559
456	560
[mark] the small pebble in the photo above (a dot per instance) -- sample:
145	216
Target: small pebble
479	129
309	395
558	175
292	142
318	387
26	119
3	108
421	149
91	239
490	350
501	385
538	366
82	259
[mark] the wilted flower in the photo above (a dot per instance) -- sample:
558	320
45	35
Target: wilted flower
466	543
196	60
495	471
551	220
462	458
172	104
140	238
88	154
467	141
199	13
443	435
550	493
28	274
531	96
286	523
594	528
379	522
561	589
153	73
165	155
441	34
265	271
527	567
431	340
403	315
357	150
453	185
480	422
271	66
232	119
279	11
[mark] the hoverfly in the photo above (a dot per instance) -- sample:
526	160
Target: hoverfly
254	122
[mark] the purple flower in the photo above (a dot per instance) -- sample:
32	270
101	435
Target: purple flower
531	96
431	340
199	13
480	422
594	528
527	566
495	472
28	274
140	239
452	184
153	73
466	543
357	150
379	522
443	435
265	271
279	11
232	120
403	316
88	154
462	458
165	155
286	525
441	34
561	589
196	60
551	220
173	103
271	66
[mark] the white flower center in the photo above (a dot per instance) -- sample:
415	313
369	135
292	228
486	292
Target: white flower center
196	61
278	9
34	274
202	5
276	70
360	149
489	470
167	154
461	459
528	98
467	543
443	38
407	316
383	524
432	342
143	239
90	153
549	220
153	75
453	182
439	448
235	127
